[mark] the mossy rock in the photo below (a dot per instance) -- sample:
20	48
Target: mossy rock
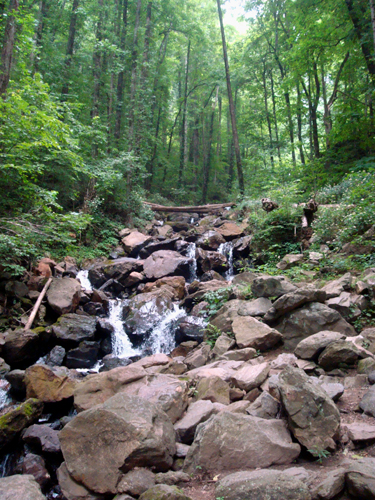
14	421
164	492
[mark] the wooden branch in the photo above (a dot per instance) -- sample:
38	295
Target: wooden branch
37	305
198	209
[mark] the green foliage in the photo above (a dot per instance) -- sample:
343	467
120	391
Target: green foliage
319	454
216	300
212	333
367	317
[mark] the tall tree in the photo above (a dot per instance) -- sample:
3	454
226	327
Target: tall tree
8	45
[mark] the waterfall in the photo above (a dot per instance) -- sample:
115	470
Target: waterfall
5	399
162	337
122	347
226	249
193	265
83	277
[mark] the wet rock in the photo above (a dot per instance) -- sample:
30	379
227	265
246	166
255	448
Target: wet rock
134	242
257	307
137	481
313	417
249	332
250	377
271	286
15	420
56	356
360	478
100	463
43	436
290	301
21	348
210	240
110	362
176	283
190	328
35	466
229	439
164	492
213	389
83	356
197	413
336	287
313	346
20	488
308	320
73	490
262	485
211	261
63	295
71	329
49	384
338	353
166	263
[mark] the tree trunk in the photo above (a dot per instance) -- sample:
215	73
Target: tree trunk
275	118
70	50
241	183
133	83
97	64
299	124
265	94
8	46
207	163
183	146
121	75
44	6
150	166
290	126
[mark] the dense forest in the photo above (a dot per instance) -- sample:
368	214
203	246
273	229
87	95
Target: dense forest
105	104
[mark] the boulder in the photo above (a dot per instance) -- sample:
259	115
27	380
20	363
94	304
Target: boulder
4	368
312	415
211	261
308	320
360	433
360	479
22	348
137	481
242	247
63	295
223	344
313	346
366	365
250	377
16	378
244	279
283	360
155	246
83	356
290	301
44	437
118	270
197	291
338	353
230	231
367	403
176	283
213	389
249	332
36	467
49	384
98	456
198	357
56	356
336	287
290	260
329	487
164	492
166	263
265	406
14	421
196	413
73	490
240	355
271	286
262	485
190	328
71	329
229	439
347	304
210	240
134	242
172	477
257	307
20	488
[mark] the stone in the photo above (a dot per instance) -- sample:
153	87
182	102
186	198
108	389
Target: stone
171	477
262	485
73	490
338	353
71	329
56	356
271	286
334	390
190	328
366	365
313	418
177	283
20	488
240	355
360	479
133	279
136	481
313	346
49	384
198	357
250	377
21	348
63	295
223	369
360	433
134	242
238	406
290	301
367	403
164	492
213	389
222	345
283	360
83	356
336	287
16	289
229	439
257	307
249	332
265	406
118	270
14	421
43	436
196	413
230	231
166	263
242	246
4	368
330	486
98	456
36	467
210	261
346	305
223	319
244	279
290	260
197	290
16	378
210	240
181	450
308	320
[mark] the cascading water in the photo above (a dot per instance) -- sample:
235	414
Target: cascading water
122	347
83	277
226	249
193	265
162	337
5	398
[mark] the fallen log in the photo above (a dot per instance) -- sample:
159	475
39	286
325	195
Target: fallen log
201	209
37	305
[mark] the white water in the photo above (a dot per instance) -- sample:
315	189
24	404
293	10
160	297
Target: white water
193	265
226	249
122	347
83	277
5	399
162	338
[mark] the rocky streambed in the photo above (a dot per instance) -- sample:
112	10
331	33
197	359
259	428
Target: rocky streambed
121	391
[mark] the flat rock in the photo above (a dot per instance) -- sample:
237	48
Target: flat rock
20	488
249	332
331	486
360	432
250	377
166	263
257	307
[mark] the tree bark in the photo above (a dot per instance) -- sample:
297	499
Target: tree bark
240	176
44	6
97	64
121	75
183	145
207	163
265	94
133	83
70	49
8	46
299	124
275	118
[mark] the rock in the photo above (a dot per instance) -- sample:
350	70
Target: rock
367	403
309	319
36	467
338	353
98	456
360	433
20	488
171	477
56	356
230	231
166	244
176	283
249	332
213	389
223	369
244	279
16	289
84	356
271	286
118	270
257	307
366	365
71	329
15	420
21	348
265	406
371	378
360	479
290	301
210	261
137	481
198	357
290	260
190	328
134	242
166	263
334	390
336	287
4	368
197	291
133	279
240	355
250	377
346	305
46	438
331	486
49	384
16	378
222	345
73	490
284	360
212	275
313	346
223	319
164	492
229	439
262	485
242	247
312	415
63	295
210	240
197	413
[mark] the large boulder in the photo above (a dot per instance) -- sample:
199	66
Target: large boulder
310	319
229	439
102	444
262	485
312	415
338	353
73	490
22	348
71	329
134	242
271	286
231	231
360	479
175	283
166	263
155	246
13	422
118	269
50	384
64	295
312	346
336	287
290	301
20	488
196	414
211	261
249	332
